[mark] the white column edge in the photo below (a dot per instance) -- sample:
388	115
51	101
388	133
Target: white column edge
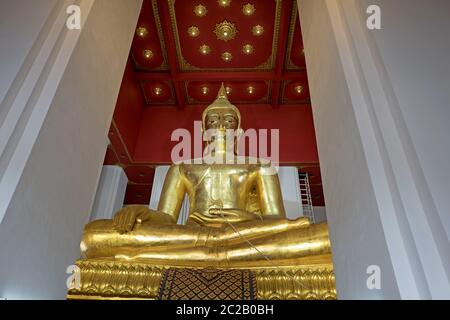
34	98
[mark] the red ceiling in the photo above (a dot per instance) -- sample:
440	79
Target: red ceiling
180	70
187	46
168	81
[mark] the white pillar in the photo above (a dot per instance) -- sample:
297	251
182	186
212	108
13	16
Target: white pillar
57	101
158	183
320	214
290	188
110	193
381	114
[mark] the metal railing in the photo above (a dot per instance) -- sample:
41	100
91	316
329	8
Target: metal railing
305	194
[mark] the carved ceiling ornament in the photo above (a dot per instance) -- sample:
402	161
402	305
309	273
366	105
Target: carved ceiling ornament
225	31
205	90
299	89
248	9
224	3
227	56
204	49
193	31
200	10
258	30
247	49
141	32
186	65
148	54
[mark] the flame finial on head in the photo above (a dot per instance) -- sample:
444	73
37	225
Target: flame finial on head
222	92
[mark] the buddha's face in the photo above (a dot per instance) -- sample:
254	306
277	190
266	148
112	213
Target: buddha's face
221	119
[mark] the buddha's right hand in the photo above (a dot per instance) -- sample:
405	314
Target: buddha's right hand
125	220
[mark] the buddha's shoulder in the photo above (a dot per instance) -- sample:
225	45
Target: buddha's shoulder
252	162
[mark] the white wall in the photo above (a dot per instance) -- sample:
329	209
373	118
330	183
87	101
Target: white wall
414	44
355	227
40	233
16	37
383	182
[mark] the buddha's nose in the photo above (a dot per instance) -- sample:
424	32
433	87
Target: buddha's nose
222	126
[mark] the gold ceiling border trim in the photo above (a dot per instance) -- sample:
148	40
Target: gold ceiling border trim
165	65
265	99
122	141
189	99
140	184
111	147
186	66
268	96
289	64
269	64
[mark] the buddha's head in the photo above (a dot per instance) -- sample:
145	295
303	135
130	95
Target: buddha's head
222	121
221	114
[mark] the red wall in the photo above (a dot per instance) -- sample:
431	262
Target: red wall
297	137
129	108
146	131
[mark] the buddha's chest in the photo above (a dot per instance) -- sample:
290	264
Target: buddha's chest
220	178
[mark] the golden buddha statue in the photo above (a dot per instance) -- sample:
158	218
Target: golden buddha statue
237	217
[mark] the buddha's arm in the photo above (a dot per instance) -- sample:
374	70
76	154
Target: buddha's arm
169	206
271	200
172	194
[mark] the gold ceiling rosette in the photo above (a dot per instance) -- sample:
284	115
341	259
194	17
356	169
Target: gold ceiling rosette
186	64
248	9
200	10
225	31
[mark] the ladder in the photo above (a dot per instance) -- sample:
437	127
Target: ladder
305	194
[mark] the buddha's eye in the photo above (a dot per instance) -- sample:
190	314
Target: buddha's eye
229	120
212	122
